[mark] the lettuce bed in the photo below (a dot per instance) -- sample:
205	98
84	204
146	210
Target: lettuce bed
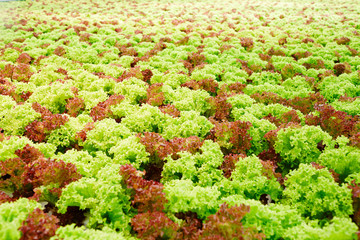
180	119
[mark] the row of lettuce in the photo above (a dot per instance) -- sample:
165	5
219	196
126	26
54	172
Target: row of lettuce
191	183
180	124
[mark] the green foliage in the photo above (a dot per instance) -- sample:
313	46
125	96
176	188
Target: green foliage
300	145
91	99
123	109
184	196
83	54
65	135
333	87
315	193
273	219
11	55
164	65
240	101
125	61
130	151
208	71
352	177
105	135
146	119
107	203
190	123
233	75
14	118
53	96
257	131
86	81
87	165
12	214
266	77
47	149
6	103
70	232
298	86
260	110
54	62
109	70
339	228
171	79
201	168
46	76
352	108
344	160
287	90
249	180
132	88
110	172
24	87
185	99
10	145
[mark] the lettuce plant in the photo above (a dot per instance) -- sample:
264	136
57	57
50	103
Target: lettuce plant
325	199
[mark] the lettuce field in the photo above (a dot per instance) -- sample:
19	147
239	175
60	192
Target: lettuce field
178	119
